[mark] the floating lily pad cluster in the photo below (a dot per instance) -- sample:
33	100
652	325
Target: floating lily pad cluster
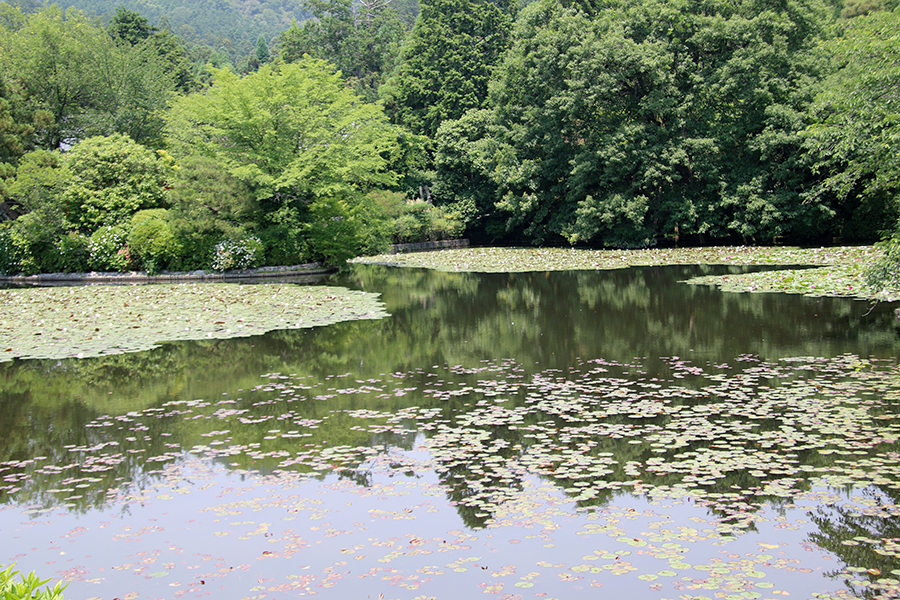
837	280
85	321
844	275
714	479
514	260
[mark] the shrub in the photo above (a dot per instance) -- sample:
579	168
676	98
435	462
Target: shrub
73	251
243	253
331	233
111	179
108	249
417	220
11	253
884	274
152	241
27	588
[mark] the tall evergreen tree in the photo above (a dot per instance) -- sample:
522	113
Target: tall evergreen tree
446	62
262	50
129	26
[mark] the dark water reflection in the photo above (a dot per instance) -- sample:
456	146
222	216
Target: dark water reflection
92	437
544	319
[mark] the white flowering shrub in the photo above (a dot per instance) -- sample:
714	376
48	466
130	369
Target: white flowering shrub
244	253
108	250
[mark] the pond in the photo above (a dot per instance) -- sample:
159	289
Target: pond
563	435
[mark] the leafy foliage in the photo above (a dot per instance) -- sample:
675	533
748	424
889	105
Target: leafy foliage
413	220
306	146
28	586
620	125
130	27
152	241
207	205
108	249
244	253
855	141
611	125
112	178
74	80
17	125
884	274
446	63
363	41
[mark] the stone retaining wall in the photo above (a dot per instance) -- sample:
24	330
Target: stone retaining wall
306	270
180	276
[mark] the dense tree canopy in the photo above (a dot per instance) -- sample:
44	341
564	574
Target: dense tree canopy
72	79
651	119
305	144
856	135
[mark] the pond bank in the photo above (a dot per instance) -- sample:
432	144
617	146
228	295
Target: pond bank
305	270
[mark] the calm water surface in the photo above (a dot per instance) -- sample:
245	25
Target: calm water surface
533	435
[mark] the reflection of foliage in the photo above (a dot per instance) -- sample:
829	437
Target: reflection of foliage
866	540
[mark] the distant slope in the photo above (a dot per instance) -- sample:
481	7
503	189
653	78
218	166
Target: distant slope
232	25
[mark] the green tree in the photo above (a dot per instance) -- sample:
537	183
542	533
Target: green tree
466	153
446	63
302	141
262	50
132	86
363	42
175	57
73	80
615	126
17	126
208	205
855	140
48	57
130	27
38	190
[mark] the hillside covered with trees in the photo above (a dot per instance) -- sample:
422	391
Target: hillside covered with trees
621	124
220	31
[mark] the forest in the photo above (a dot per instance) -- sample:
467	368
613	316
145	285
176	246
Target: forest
599	123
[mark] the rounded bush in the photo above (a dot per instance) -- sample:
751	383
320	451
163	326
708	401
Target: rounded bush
152	241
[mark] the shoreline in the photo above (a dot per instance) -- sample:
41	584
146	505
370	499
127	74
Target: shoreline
304	270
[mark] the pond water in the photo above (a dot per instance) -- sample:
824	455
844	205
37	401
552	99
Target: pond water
534	435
